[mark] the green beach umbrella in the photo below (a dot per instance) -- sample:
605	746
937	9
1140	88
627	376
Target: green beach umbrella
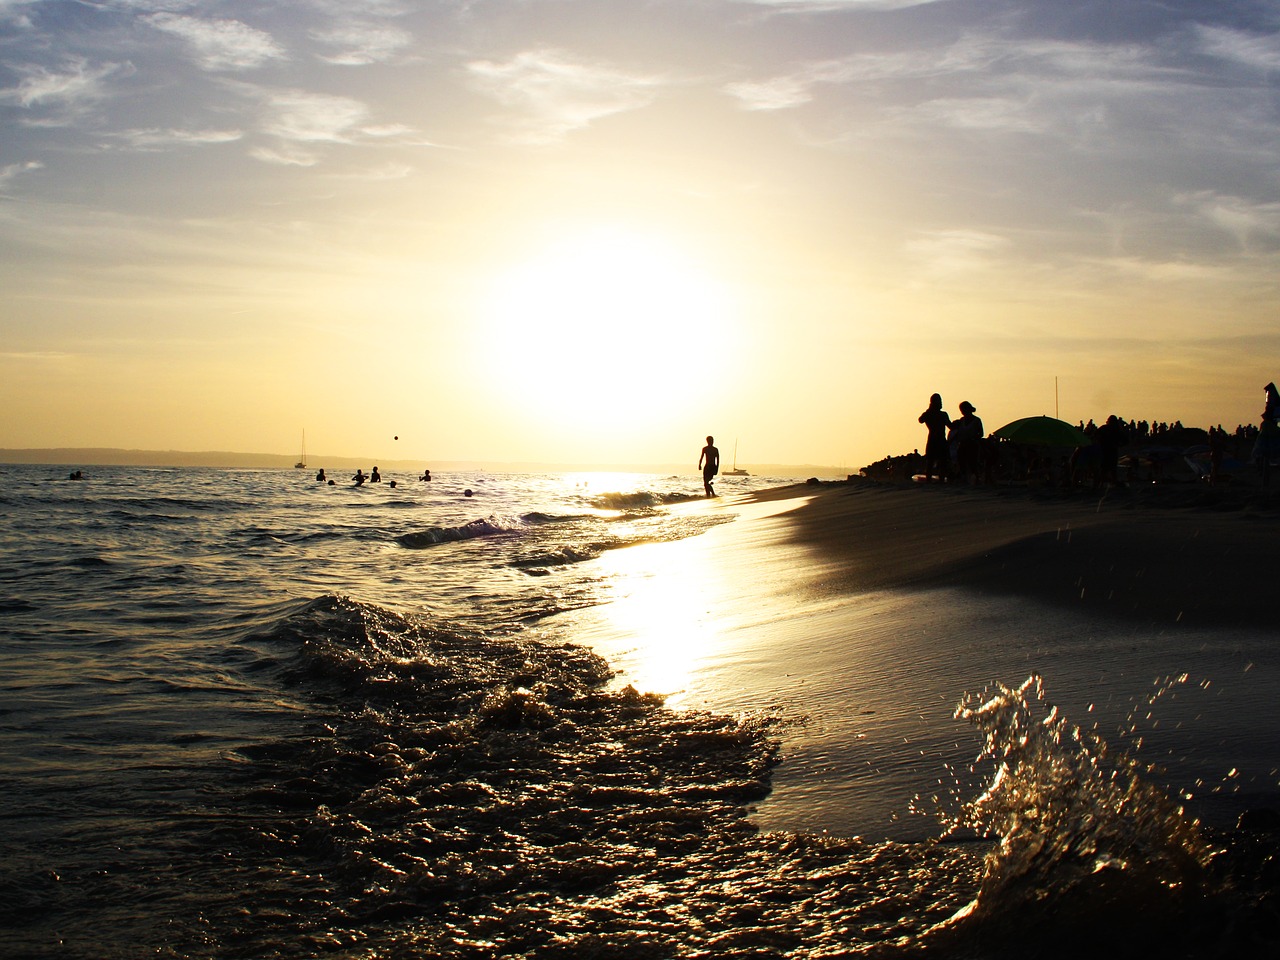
1045	431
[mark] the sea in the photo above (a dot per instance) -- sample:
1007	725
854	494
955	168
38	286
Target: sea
246	714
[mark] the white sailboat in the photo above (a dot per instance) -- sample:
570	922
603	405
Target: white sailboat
302	460
735	472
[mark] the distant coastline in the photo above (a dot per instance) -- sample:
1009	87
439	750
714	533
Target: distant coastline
117	457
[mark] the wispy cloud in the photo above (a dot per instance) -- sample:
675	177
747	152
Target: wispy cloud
1260	51
220	45
285	156
558	95
956	251
361	43
820	5
35	356
10	173
313	117
15	12
299	122
63	93
157	139
1250	224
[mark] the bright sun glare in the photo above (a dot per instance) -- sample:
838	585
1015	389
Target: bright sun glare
605	326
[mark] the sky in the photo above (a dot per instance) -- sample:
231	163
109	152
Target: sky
595	231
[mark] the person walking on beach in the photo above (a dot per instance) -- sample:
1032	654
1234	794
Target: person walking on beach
937	455
709	463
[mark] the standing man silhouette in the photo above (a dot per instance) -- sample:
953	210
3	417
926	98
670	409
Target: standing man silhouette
709	461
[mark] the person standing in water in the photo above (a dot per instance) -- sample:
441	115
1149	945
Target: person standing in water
937	453
709	462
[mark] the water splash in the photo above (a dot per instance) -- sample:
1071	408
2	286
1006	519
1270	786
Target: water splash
1087	850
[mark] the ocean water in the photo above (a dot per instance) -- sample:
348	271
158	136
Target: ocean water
246	715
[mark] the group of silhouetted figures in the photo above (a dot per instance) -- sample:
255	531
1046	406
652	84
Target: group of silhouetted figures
958	451
360	478
954	449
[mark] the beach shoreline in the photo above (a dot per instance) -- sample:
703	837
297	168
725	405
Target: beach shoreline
1178	554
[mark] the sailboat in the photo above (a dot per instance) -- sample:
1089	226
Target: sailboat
735	472
302	460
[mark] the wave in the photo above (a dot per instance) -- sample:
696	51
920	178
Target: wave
557	556
433	790
640	500
480	527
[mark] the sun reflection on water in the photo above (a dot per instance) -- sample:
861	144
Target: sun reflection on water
662	616
682	614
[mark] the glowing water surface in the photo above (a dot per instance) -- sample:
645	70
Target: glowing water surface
866	685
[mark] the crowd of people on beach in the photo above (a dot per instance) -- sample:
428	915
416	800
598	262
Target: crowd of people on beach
1108	453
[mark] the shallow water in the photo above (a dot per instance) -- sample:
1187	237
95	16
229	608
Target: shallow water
246	715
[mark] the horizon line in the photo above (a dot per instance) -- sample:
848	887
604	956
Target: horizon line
136	457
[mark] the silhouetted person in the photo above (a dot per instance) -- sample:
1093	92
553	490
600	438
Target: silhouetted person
426	475
937	455
1110	437
375	477
709	462
1267	446
967	433
320	476
359	478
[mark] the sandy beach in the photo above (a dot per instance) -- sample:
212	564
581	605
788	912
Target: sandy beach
857	614
1187	554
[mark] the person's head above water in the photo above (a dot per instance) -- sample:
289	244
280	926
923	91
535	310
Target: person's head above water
935	400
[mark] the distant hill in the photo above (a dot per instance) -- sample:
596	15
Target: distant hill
110	456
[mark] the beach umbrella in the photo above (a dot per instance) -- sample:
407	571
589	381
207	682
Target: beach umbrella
1044	431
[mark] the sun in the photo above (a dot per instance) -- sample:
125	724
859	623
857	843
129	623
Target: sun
606	325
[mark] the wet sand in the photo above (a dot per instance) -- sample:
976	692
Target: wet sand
858	614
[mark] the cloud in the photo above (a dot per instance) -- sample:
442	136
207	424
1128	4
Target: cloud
391	170
359	44
780	93
14	12
72	89
285	156
956	251
303	117
809	6
558	95
1249	223
12	171
156	139
973	65
1258	51
220	44
35	356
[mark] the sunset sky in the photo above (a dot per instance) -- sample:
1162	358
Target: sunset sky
597	230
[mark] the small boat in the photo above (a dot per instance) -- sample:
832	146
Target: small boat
735	472
302	460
